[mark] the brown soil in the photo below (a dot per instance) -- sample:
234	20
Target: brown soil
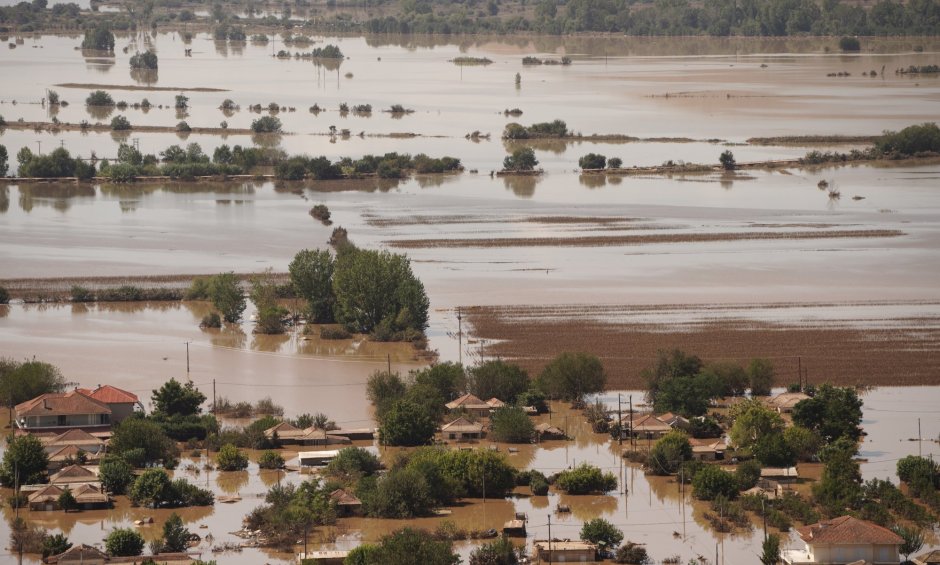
904	355
91	85
647	239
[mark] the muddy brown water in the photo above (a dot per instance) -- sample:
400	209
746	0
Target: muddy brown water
717	89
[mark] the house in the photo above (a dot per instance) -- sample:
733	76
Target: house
462	429
784	402
473	405
346	503
548	431
287	433
316	458
710	449
932	558
565	551
74	475
355	433
324	557
46	498
121	402
780	474
77	438
57	412
80	553
647	426
514	528
69	455
89	496
675	421
495	403
845	540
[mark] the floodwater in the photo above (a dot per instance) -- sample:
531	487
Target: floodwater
709	91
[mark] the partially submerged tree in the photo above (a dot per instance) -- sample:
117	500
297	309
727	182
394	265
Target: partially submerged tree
572	375
226	295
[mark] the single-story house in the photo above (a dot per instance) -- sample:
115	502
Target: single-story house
287	433
565	551
57	412
324	557
931	558
548	431
514	528
73	438
647	426
462	429
46	498
316	458
69	455
80	553
89	496
710	449
346	503
121	402
355	433
676	421
473	405
780	474
495	403
74	475
845	540
784	402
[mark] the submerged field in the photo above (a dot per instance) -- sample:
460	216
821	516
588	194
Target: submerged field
726	265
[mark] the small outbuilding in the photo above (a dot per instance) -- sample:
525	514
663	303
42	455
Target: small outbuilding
548	431
931	558
346	503
472	404
514	528
324	557
565	551
462	429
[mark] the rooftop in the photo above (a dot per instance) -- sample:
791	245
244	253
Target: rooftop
61	404
110	395
847	530
462	425
468	401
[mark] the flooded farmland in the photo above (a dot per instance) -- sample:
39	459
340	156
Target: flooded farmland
729	265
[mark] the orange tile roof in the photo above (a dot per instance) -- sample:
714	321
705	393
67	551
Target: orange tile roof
468	401
848	530
61	403
48	493
112	395
73	472
73	437
343	497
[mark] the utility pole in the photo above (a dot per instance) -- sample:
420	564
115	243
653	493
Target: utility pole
619	423
919	441
799	370
549	538
187	360
213	396
389	363
39	146
632	439
459	337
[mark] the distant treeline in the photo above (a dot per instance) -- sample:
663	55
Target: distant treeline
631	17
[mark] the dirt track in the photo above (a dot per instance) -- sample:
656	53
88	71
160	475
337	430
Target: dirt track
906	354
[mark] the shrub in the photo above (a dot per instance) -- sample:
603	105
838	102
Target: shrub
850	44
266	124
602	533
99	38
747	474
120	123
145	60
585	479
911	140
712	481
522	159
99	98
727	160
211	320
82	294
334	332
321	212
669	453
615	163
538	484
592	161
4	295
124	542
183	127
512	425
270	460
632	553
231	459
115	474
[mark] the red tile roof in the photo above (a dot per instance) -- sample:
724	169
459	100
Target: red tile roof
468	401
72	437
61	403
111	395
848	530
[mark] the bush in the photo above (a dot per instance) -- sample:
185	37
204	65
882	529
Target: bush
747	474
4	295
512	425
669	453
145	60
727	161
183	127
120	123
585	479
850	44
99	38
82	294
538	484
616	163
923	138
124	542
271	460
115	474
231	459
99	98
601	533
522	159
592	161
632	553
321	212
211	320
266	124
711	481
333	332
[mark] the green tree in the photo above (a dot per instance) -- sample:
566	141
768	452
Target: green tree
448	378
22	381
685	395
761	372
669	453
67	500
231	459
753	422
141	442
175	535
227	296
585	479
592	161
270	460
833	413
632	553
496	378
498	552
407	423
351	464
99	98
731	377
24	459
522	159
120	123
263	294
747	474
512	425
771	550
913	540
175	398
54	544
4	160
413	547
311	273
115	474
99	37
802	442
727	161
383	390
839	488
601	533
376	291
150	488
266	124
145	60
712	481
123	542
400	493
572	375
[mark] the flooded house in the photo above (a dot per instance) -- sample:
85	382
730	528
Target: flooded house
647	426
845	540
74	475
288	434
495	403
710	449
786	401
75	438
121	402
58	412
324	557
46	498
565	551
470	403
548	431
929	558
316	458
462	429
346	503
90	496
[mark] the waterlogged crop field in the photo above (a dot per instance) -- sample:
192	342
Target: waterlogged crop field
729	265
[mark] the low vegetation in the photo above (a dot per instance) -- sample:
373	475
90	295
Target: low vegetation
556	128
146	60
